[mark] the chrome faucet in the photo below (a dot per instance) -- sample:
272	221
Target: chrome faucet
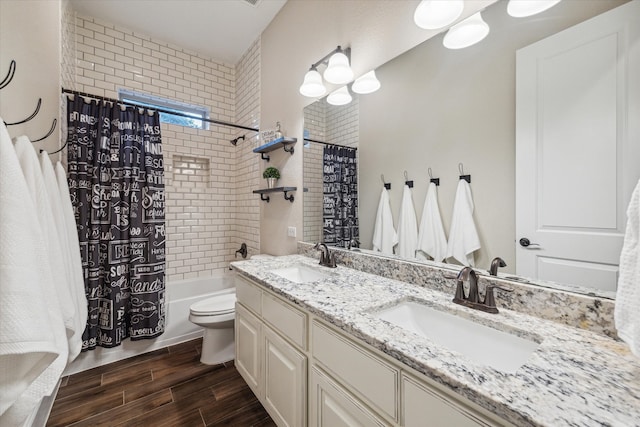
488	304
327	259
495	263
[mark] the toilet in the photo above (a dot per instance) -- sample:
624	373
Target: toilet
216	315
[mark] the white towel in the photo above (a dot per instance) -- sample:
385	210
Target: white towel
60	266
431	238
407	226
384	233
28	345
74	262
463	237
626	313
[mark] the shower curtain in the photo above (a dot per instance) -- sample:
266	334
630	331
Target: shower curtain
340	191
116	181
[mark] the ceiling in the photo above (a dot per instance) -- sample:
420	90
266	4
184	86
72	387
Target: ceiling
218	29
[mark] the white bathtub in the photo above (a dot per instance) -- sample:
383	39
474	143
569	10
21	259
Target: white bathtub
180	295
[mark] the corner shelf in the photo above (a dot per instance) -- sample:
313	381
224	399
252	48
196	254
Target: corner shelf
285	142
284	190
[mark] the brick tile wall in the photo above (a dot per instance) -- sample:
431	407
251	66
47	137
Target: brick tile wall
206	219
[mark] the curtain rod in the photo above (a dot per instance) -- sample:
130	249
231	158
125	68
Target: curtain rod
328	143
160	110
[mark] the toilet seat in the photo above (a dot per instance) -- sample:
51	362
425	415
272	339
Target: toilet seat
218	305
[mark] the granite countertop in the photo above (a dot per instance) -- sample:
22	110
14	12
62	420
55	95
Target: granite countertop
574	378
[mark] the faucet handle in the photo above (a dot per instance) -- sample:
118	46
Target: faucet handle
489	298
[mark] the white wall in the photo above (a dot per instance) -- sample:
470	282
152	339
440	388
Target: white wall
30	34
301	34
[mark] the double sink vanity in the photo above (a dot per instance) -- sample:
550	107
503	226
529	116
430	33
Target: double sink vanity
339	346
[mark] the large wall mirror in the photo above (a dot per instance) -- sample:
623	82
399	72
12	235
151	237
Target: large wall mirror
438	108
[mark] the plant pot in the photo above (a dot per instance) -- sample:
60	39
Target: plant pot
271	182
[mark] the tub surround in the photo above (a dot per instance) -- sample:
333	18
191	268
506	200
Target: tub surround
590	312
575	377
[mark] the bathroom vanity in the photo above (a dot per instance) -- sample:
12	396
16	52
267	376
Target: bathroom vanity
316	347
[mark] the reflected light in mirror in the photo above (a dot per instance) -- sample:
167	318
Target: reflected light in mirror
312	85
338	70
466	33
433	14
522	8
339	96
367	83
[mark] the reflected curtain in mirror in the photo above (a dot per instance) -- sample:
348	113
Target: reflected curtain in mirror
340	195
116	180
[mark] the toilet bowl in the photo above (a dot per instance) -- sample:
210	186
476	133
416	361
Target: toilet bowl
216	315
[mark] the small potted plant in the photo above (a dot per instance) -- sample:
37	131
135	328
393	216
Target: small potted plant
271	174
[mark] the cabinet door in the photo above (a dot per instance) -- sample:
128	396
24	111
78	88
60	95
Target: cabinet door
248	351
423	406
330	405
285	381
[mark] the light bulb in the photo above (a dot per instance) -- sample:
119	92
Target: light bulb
433	14
339	96
312	85
466	33
522	8
338	70
367	83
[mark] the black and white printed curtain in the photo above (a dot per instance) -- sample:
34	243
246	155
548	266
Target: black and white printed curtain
340	191
116	179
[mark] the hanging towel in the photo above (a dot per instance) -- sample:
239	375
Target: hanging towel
626	313
463	237
28	322
60	240
384	233
407	226
74	261
431	238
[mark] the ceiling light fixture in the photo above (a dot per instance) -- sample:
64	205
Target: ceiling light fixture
339	96
466	33
522	8
312	85
366	83
434	14
338	70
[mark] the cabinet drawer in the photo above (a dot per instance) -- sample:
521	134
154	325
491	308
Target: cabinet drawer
422	402
290	322
357	368
248	294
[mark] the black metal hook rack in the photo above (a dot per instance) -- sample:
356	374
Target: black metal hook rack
4	83
462	175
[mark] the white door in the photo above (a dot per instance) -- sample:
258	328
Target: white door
577	148
248	351
285	381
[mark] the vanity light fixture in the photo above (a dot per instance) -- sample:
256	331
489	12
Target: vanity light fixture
434	14
367	83
312	85
522	8
338	70
466	33
339	96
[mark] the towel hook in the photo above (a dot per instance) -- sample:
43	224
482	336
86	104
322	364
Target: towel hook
462	175
436	181
406	180
12	71
387	185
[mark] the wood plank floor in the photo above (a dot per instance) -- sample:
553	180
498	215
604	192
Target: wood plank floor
166	387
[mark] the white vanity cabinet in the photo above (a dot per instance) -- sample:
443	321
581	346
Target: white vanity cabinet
275	369
279	346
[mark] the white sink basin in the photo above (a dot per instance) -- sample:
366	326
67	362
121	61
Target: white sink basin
300	274
481	344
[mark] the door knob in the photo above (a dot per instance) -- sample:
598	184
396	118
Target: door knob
524	242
